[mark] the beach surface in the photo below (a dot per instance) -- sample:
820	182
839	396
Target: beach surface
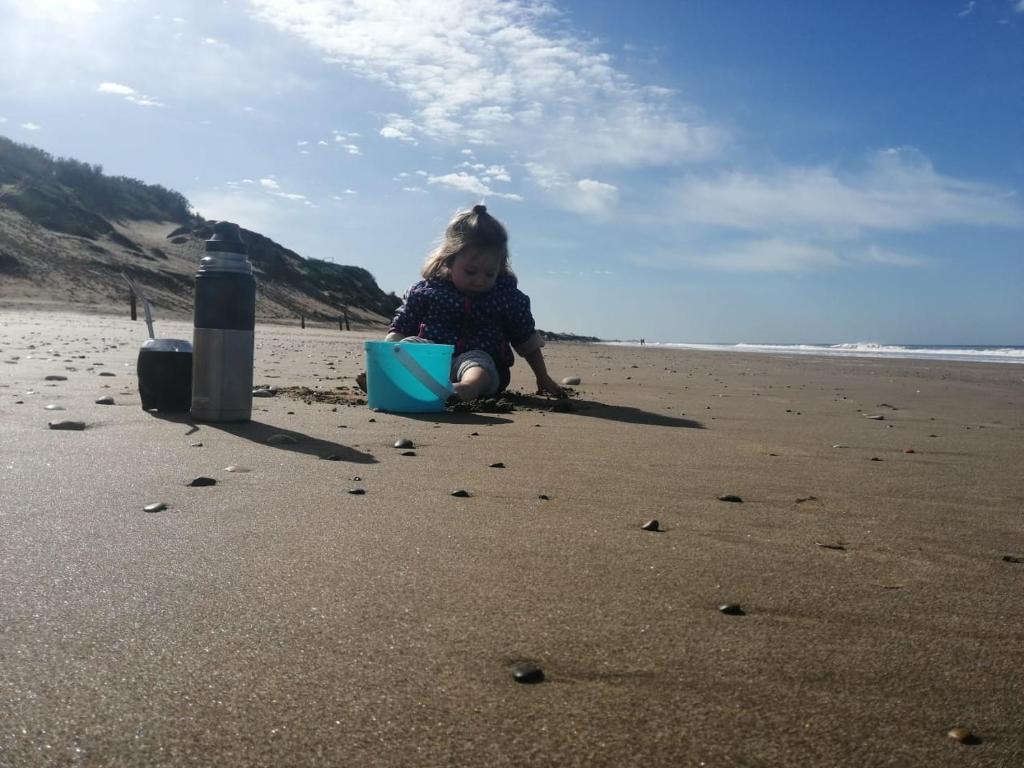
278	619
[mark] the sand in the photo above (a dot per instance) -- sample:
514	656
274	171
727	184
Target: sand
275	619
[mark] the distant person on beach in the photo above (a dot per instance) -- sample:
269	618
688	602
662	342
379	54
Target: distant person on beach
470	298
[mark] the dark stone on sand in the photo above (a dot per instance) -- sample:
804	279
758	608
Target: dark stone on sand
1012	559
200	482
909	450
496	465
651	525
56	377
107	373
526	673
105	400
731	609
544	497
76	426
731	497
802	499
571	380
875	458
462	494
408	453
357	491
158	506
875	417
264	393
357	479
404	442
825	545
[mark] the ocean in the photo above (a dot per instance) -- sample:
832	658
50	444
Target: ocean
955	352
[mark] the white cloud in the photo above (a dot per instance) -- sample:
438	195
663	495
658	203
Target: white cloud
468	183
586	196
1019	7
116	88
31	127
898	191
270	183
461	180
968	9
502	73
129	94
413	189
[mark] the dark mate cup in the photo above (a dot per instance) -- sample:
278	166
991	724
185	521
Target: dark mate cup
165	375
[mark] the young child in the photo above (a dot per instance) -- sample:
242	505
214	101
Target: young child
469	298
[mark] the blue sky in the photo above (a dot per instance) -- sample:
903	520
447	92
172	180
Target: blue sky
704	171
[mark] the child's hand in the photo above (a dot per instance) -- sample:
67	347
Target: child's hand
547	385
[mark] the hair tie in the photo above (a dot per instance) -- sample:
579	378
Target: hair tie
478	209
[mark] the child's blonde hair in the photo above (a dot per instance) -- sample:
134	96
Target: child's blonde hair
476	229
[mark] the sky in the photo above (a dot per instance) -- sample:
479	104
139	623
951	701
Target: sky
688	171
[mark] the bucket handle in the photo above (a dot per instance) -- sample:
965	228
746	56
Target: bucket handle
443	391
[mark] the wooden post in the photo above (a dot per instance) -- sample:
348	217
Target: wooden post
340	326
347	328
302	318
131	302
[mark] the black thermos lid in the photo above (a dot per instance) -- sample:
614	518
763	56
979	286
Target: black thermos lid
227	238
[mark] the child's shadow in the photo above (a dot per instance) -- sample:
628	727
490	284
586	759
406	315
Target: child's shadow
258	432
599	410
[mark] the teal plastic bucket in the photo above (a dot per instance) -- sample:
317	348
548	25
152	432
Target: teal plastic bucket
408	378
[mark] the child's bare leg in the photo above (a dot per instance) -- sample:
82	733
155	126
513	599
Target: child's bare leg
474	383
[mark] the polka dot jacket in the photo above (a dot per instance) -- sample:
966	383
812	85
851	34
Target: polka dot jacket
494	321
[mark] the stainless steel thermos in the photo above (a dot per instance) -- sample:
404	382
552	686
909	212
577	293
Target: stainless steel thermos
222	337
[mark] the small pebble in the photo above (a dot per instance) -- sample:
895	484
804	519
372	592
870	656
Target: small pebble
875	417
837	545
56	377
195	445
651	525
158	506
462	494
840	445
544	497
802	499
731	497
263	393
76	426
404	442
571	380
909	450
199	482
526	673
961	734
281	439
236	468
107	373
875	458
496	465
55	407
357	479
408	453
357	491
731	609
105	400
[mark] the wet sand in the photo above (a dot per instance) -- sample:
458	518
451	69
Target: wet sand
275	619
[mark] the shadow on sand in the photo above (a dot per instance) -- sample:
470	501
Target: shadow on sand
258	432
493	410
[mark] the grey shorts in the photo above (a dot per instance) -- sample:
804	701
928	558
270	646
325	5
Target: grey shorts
476	358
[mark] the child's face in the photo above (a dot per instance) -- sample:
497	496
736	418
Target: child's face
475	271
